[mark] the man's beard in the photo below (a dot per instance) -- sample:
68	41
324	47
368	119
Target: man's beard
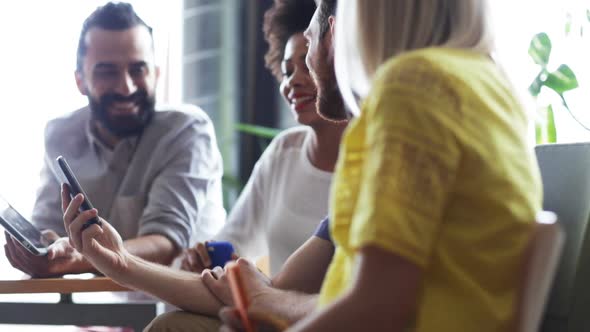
123	125
329	101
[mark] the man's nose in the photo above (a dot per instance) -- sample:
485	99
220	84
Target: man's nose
126	85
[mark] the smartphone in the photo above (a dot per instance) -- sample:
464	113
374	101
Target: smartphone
220	252
75	189
239	295
21	229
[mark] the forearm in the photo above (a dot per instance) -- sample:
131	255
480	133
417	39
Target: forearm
182	289
313	257
154	248
288	305
383	297
352	313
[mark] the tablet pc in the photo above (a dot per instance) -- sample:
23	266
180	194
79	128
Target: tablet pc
21	229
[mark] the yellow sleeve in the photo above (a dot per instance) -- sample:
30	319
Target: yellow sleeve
411	161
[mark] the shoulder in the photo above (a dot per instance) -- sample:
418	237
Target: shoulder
437	80
284	149
74	122
186	123
434	61
168	116
67	133
290	139
180	130
434	71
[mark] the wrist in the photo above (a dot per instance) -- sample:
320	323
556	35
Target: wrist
79	264
126	272
265	299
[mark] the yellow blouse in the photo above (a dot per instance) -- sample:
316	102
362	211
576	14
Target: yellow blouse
437	170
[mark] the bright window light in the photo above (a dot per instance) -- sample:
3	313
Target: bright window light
39	41
516	22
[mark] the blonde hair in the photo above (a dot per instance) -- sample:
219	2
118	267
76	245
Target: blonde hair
368	33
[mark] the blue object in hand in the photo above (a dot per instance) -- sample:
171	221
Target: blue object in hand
220	252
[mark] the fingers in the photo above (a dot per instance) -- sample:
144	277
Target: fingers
191	260
65	197
49	236
19	257
185	263
71	211
12	259
76	227
60	248
211	281
9	252
217	282
267	321
90	233
244	263
246	266
208	278
225	328
218	272
196	259
203	254
230	318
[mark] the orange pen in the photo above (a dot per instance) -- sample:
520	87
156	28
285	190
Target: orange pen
239	294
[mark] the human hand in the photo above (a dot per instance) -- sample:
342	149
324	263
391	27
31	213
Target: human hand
61	258
196	258
264	322
101	245
256	283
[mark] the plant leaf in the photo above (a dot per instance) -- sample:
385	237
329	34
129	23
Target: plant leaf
561	80
258	131
535	87
539	133
540	49
551	130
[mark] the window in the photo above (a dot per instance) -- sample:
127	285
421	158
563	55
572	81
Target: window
516	22
38	61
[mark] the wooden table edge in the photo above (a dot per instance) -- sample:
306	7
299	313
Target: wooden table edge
60	285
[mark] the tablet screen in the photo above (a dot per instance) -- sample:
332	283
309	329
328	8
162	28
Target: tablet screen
10	218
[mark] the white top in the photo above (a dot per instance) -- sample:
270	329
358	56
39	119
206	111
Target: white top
166	181
282	204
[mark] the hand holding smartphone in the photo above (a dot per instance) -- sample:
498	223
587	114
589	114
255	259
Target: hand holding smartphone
239	295
75	189
21	229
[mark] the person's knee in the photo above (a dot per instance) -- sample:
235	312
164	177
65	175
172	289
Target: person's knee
182	321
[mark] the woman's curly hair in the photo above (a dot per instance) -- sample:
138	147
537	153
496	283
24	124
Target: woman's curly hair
284	19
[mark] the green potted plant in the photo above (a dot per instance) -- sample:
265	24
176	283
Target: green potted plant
558	82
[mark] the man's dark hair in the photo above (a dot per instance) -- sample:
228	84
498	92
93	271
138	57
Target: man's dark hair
326	9
111	16
284	19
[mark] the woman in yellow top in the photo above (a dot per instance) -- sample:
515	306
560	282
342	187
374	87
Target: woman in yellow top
436	190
